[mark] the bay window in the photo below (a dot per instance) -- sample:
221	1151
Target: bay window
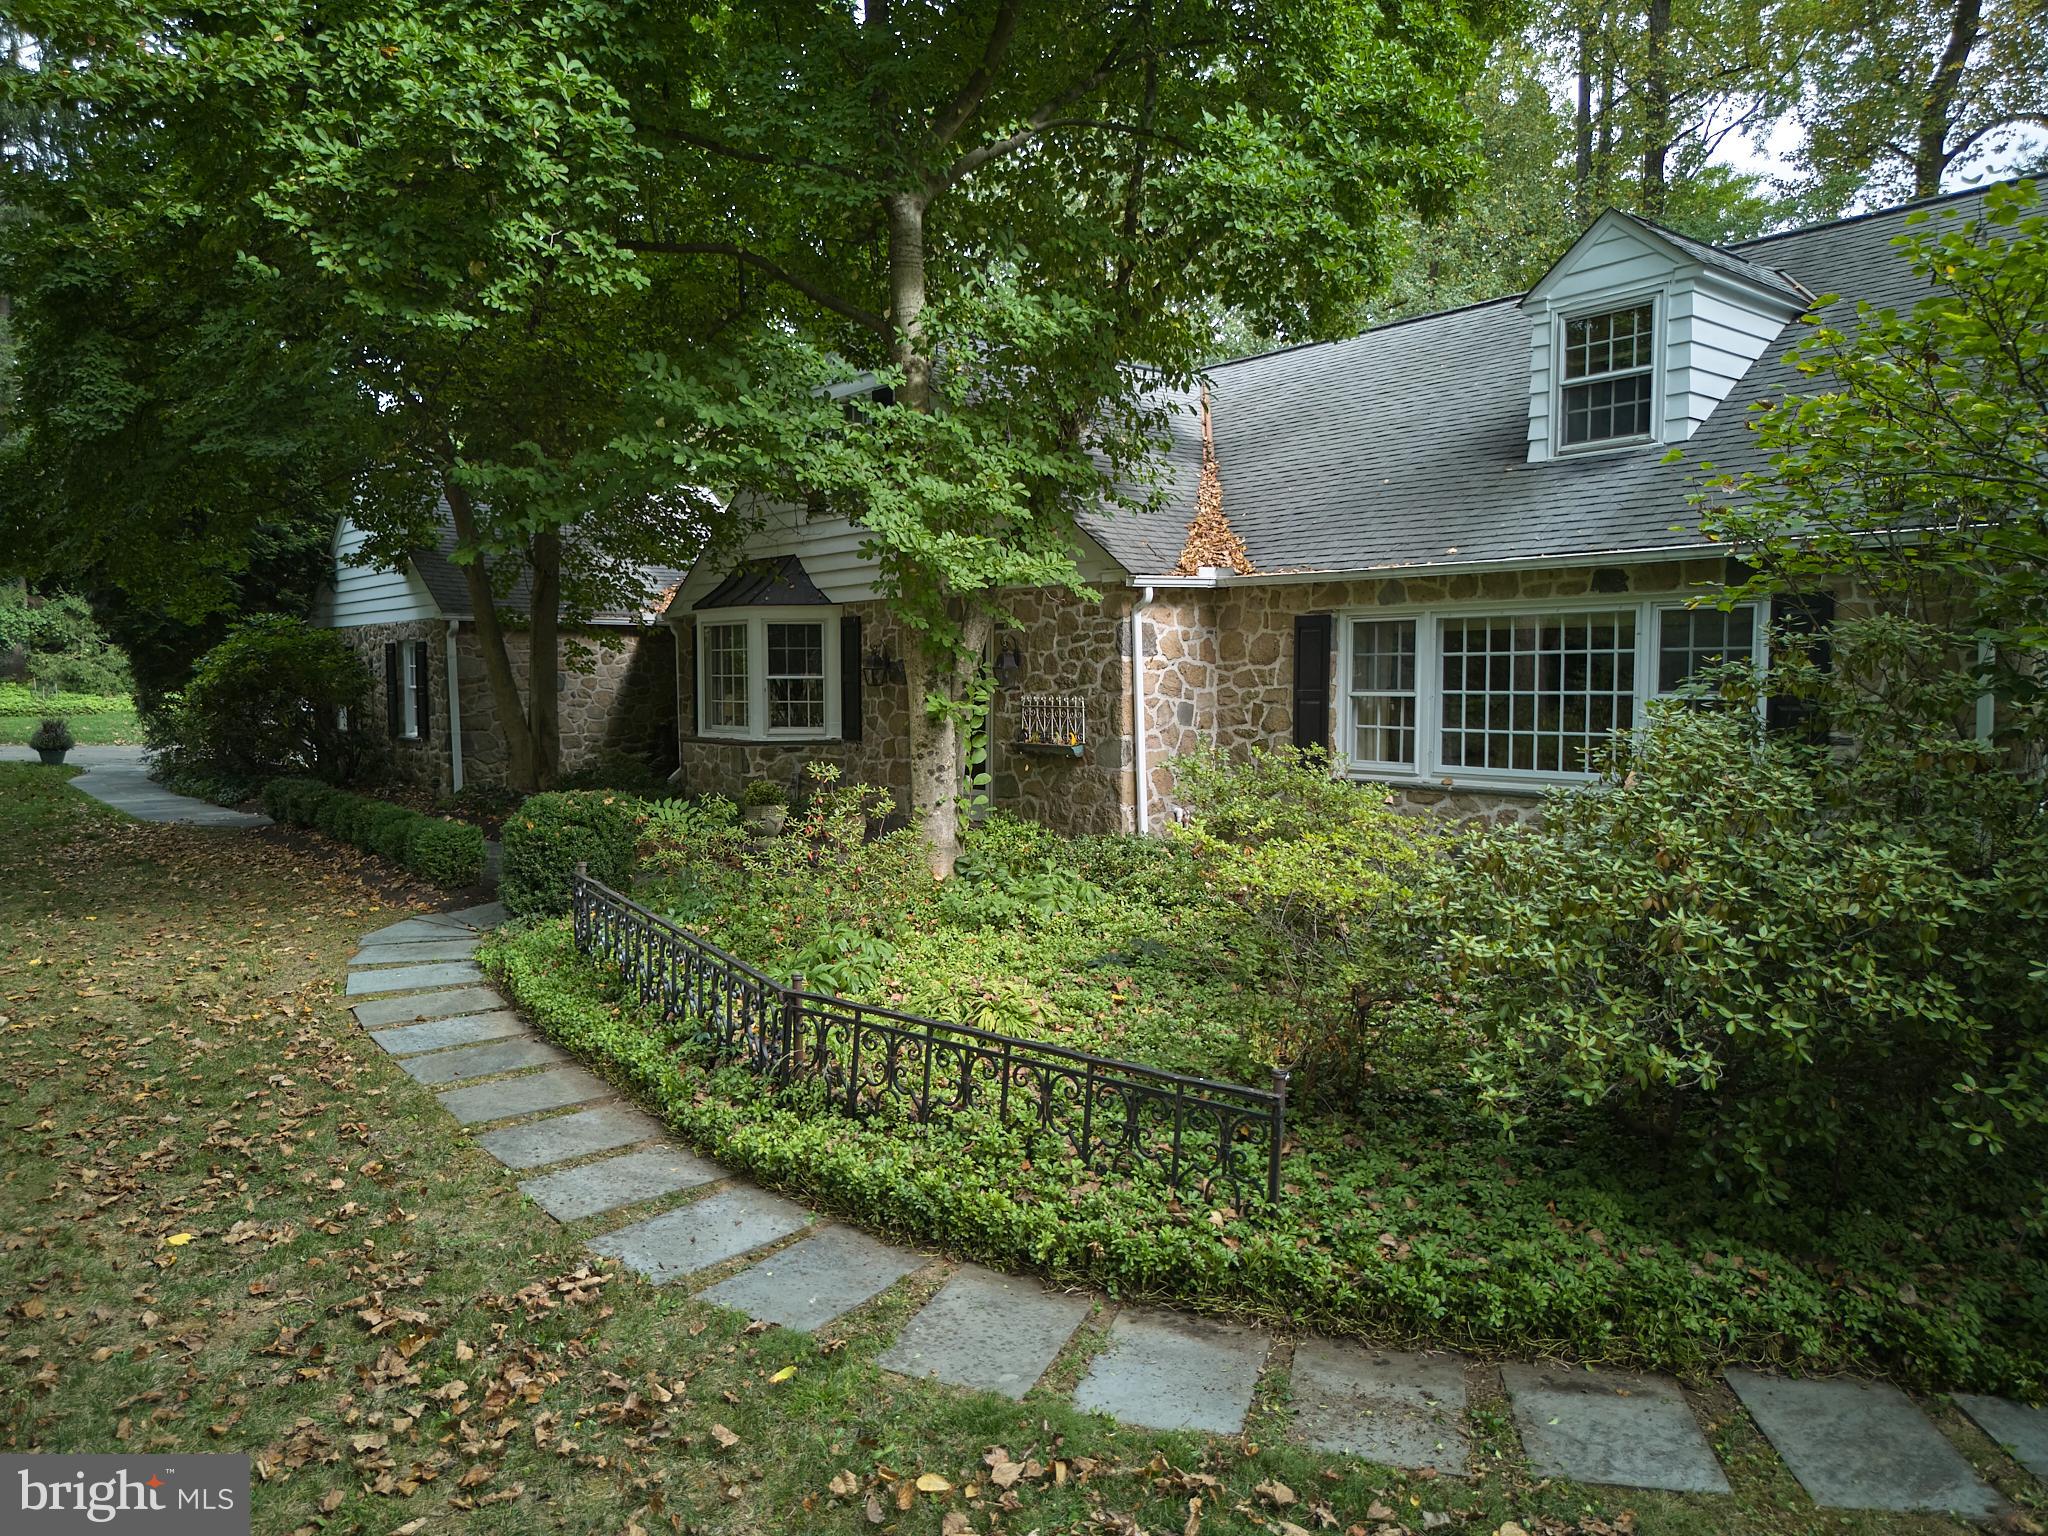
1518	693
768	674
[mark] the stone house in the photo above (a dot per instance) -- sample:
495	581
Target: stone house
413	627
1454	549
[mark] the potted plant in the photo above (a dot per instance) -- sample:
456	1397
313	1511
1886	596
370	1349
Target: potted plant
52	739
764	806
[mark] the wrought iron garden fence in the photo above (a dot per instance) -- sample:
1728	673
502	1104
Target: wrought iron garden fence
1111	1115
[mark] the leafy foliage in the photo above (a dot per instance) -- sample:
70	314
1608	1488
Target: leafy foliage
269	699
66	649
440	852
53	735
549	834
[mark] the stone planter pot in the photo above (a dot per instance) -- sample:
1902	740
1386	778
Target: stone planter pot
53	757
765	820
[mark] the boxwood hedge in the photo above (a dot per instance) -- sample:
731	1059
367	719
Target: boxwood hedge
438	851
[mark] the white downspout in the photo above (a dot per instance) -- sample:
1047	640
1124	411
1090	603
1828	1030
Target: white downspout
1138	722
454	714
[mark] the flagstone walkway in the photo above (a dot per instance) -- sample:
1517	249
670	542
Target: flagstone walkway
1850	1444
119	776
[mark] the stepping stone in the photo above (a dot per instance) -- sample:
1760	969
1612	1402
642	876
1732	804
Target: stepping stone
383	1012
809	1283
413	978
1166	1371
1398	1410
995	1332
2023	1431
696	1236
416	929
411	954
556	1140
439	1034
481	1060
488	914
1611	1427
626	1179
556	1088
1862	1445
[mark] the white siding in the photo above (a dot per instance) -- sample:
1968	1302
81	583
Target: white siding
1711	328
829	549
363	594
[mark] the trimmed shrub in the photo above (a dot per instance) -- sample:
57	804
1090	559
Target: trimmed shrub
269	697
546	837
445	852
449	853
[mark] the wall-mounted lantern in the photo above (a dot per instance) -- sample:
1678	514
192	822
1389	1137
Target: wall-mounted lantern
878	667
1009	664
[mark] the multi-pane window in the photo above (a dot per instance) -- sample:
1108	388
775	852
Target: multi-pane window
1383	691
1609	375
796	677
1690	640
409	692
1534	693
726	688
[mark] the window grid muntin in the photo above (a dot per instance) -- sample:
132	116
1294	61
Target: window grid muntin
1607	391
1384	715
1703	637
726	684
1533	693
795	675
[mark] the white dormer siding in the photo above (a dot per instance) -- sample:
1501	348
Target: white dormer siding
1709	326
368	594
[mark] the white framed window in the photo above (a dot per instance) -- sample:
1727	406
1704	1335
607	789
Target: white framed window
768	674
1608	376
409	692
1380	688
1518	694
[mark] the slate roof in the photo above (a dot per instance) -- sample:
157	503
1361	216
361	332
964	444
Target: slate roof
1408	445
768	583
445	581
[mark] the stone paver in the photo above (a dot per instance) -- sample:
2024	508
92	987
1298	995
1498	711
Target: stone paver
421	928
626	1179
561	1137
809	1283
413	978
2023	1431
440	1034
481	1060
982	1329
556	1088
485	915
1611	1427
411	953
1862	1445
383	1012
1399	1410
707	1232
1163	1370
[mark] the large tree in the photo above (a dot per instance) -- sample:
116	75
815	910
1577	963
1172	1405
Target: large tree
1002	210
312	258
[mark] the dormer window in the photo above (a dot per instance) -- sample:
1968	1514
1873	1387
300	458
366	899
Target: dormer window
1609	376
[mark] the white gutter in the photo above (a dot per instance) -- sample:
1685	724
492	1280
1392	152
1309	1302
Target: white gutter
1138	726
454	714
1427	568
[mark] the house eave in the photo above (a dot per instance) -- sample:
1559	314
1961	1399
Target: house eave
1644	556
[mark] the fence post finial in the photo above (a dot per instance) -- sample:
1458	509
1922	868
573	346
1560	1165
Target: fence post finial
582	869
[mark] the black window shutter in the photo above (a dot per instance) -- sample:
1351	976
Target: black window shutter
849	678
696	693
422	694
1312	680
1800	614
391	710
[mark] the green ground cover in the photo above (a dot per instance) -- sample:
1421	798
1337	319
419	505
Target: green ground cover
96	719
368	1307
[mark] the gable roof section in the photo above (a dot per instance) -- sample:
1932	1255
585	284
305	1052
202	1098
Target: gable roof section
1407	446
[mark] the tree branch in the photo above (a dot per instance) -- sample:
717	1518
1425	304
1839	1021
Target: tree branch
734	152
822	297
1034	125
963	105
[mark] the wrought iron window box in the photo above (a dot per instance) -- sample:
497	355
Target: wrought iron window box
1052	748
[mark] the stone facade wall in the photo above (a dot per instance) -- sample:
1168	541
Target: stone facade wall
615	694
1065	645
410	762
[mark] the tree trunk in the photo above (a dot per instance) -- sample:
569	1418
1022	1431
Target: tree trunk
1582	130
1656	106
521	766
1937	109
543	659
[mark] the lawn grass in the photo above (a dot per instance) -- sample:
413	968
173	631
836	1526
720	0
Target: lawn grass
367	1306
98	728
